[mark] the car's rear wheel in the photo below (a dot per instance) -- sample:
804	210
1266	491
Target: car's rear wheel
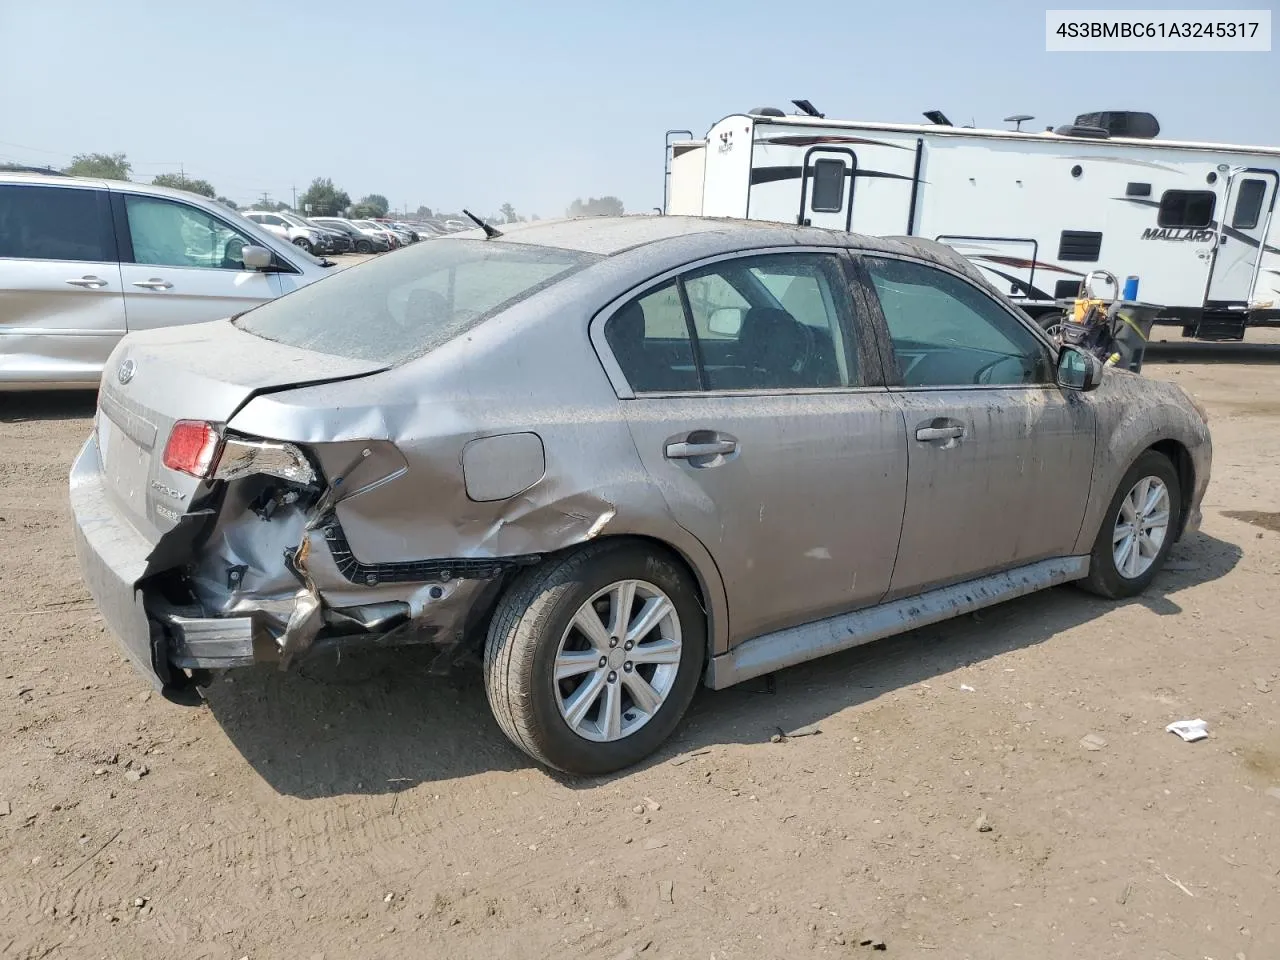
364	246
593	658
305	244
1138	531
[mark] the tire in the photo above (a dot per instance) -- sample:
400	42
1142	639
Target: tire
1105	575
1051	324
535	618
364	246
305	244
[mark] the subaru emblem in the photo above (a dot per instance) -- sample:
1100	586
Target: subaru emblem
125	373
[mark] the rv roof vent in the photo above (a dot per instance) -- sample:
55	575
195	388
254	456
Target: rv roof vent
767	112
1074	130
1122	123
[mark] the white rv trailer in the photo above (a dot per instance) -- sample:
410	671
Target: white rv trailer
1036	211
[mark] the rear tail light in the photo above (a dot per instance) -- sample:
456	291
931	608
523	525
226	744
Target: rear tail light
192	447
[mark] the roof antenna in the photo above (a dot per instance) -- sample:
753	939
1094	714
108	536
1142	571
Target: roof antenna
489	232
1019	119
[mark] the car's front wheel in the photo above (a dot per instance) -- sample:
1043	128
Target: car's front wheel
364	246
593	658
305	244
1139	529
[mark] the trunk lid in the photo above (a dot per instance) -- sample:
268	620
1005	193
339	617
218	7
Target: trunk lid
204	372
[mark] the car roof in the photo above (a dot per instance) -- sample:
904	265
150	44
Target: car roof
59	180
709	236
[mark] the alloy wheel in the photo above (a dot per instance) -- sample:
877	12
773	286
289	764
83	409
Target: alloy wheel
1141	527
617	661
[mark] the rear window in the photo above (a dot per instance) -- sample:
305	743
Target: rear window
398	307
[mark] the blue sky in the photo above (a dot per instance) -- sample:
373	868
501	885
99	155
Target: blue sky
480	103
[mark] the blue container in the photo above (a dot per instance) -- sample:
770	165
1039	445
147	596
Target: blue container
1130	288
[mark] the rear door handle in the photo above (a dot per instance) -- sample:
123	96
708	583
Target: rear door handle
939	433
89	282
154	283
683	450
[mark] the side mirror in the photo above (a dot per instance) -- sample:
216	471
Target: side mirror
255	257
725	322
1078	370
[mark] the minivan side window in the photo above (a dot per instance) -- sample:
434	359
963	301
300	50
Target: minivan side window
948	333
167	233
55	223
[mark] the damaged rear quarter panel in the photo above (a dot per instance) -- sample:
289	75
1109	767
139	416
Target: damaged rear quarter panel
529	370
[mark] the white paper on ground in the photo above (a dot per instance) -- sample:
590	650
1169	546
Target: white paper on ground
1189	730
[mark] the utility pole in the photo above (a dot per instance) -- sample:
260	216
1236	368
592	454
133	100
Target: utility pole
266	201
295	199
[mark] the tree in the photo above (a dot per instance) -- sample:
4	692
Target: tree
227	202
180	181
324	198
425	212
508	213
596	207
371	207
108	166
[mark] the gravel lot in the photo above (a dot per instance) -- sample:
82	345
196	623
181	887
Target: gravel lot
947	808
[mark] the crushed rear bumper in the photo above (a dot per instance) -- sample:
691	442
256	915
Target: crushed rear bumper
113	558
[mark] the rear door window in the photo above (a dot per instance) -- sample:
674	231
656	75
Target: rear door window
396	308
650	340
55	223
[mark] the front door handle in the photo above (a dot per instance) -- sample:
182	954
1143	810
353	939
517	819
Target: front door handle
154	283
939	433
89	282
684	450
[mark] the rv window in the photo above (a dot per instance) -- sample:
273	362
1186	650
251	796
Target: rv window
650	340
828	186
1137	190
1190	209
1249	204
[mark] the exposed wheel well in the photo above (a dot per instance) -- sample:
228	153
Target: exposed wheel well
1181	460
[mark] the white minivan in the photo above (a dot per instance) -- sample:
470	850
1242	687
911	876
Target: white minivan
83	262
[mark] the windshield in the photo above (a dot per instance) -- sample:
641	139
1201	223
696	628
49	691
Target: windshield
393	309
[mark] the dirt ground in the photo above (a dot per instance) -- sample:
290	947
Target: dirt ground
375	812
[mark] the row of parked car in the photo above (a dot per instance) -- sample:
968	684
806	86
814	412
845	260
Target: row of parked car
326	235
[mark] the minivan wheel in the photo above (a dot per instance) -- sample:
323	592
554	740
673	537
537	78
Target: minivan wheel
305	244
593	658
1139	529
364	246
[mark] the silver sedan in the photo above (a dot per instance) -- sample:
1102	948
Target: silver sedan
620	457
